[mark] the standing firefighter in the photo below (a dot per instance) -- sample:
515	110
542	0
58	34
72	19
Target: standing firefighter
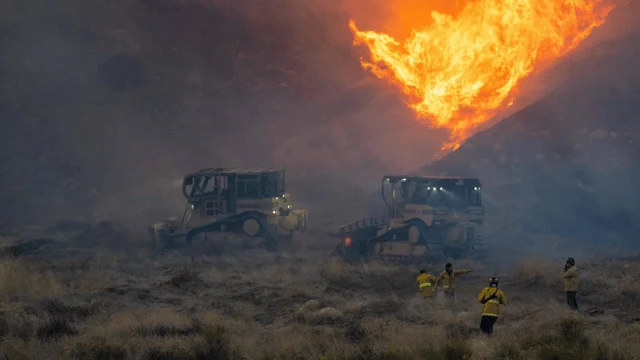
571	282
491	298
425	282
447	279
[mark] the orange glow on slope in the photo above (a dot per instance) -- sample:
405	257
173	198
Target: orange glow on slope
462	66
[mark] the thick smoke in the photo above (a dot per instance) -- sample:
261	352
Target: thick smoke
105	104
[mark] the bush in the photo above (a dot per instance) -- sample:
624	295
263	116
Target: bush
183	277
568	342
603	352
97	349
13	349
559	352
171	354
59	308
216	344
56	327
20	279
456	349
571	333
354	333
283	355
507	352
165	330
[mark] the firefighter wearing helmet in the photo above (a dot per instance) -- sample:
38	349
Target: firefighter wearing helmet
491	299
570	275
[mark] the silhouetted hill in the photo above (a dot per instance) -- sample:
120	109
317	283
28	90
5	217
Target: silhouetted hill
567	164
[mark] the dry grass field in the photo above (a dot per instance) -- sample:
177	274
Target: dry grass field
75	300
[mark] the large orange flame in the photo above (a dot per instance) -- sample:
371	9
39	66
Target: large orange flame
459	70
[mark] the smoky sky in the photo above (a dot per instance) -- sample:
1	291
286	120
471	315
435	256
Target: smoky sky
104	104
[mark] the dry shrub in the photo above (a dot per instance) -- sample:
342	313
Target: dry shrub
460	331
507	351
456	349
623	292
355	333
539	274
305	310
214	345
184	277
296	339
55	327
568	342
97	348
632	333
149	322
450	350
173	338
605	352
20	279
284	355
173	353
14	349
15	323
57	307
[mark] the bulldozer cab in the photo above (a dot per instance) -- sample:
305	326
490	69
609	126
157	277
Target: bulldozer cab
436	196
220	192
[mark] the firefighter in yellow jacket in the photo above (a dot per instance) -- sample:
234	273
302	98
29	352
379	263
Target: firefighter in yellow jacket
447	279
571	282
425	283
491	299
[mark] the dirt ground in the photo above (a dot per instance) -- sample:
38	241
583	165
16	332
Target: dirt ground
78	298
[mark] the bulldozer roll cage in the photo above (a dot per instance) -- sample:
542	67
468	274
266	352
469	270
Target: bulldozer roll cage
252	201
425	214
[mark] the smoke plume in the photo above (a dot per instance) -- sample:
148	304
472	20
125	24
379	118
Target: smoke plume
104	105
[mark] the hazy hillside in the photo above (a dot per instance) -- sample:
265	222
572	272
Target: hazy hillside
567	164
104	103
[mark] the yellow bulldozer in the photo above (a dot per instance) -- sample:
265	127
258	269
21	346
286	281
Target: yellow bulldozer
250	202
428	218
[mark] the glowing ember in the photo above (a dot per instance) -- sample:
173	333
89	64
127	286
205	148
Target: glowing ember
459	70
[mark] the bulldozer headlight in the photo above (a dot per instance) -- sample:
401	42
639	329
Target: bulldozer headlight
275	212
347	241
289	206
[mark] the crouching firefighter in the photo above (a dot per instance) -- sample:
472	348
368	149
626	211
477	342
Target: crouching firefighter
491	298
425	284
